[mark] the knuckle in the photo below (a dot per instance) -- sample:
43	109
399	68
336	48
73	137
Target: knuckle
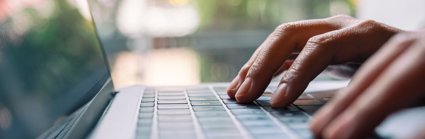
254	69
244	70
290	75
282	29
259	64
368	24
317	41
340	17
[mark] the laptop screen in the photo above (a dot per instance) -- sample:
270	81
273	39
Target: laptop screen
50	63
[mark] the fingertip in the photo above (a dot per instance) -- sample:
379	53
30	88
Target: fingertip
231	93
243	93
345	126
318	121
339	129
330	134
233	87
279	98
243	99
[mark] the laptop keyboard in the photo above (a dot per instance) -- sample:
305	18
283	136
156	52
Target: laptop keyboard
207	112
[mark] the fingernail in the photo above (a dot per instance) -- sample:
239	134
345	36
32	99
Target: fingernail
278	98
244	91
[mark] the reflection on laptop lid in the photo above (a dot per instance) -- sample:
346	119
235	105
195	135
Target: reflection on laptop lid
51	64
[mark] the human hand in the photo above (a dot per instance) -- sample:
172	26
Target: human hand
318	43
391	80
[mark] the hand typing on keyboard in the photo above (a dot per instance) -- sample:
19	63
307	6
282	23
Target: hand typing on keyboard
391	79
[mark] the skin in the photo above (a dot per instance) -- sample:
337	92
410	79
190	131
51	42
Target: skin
378	89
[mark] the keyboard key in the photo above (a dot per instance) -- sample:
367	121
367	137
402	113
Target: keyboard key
177	135
172	94
206	103
221	125
173	106
144	122
265	130
146	109
215	120
148	96
298	125
171	97
172	102
264	123
242	106
304	133
202	98
229	101
146	131
208	108
174	118
145	115
147	104
310	109
264	98
202	95
294	119
142	135
148	100
271	136
224	136
285	109
224	130
174	112
211	113
172	126
222	92
264	102
221	132
247	112
253	117
287	113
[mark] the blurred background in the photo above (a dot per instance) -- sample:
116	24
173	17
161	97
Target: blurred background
183	42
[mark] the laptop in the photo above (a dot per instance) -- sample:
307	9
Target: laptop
55	83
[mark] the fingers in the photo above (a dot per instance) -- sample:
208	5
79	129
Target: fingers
273	53
237	81
270	58
364	77
397	87
313	59
319	52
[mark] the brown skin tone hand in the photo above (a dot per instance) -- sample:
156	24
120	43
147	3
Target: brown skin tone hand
390	80
319	42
